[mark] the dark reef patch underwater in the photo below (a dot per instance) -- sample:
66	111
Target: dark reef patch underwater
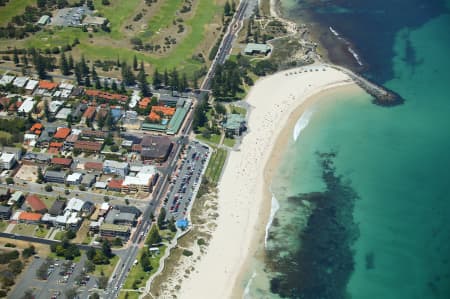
321	268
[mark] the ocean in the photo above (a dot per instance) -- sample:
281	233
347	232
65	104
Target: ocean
361	200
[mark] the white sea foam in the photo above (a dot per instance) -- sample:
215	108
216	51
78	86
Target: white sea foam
273	210
246	294
333	31
358	60
302	123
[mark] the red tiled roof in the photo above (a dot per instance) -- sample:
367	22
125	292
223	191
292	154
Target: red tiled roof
93	165
30	216
89	113
35	203
88	145
36	126
61	161
62	133
106	95
115	184
144	103
47	85
56	144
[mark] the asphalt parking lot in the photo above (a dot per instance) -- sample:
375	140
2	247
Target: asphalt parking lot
62	277
184	181
70	16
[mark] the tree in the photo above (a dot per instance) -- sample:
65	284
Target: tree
29	251
106	249
135	63
95	295
220	108
172	227
15	266
200	118
153	236
102	282
64	65
78	74
48	188
145	263
84	67
15	56
157	80
9	181
184	83
174	79
40	176
114	85
71	63
90	253
117	242
41	272
161	218
28	293
166	78
227	9
89	266
71	293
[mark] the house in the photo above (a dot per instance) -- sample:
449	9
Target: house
55	176
121	218
5	212
37	128
16	199
98	94
94	21
89	114
143	104
31	86
128	209
6	79
57	208
134	99
95	166
54	106
253	48
234	124
143	181
78	111
17	152
100	185
79	206
20	82
36	204
104	209
88	179
74	178
94	226
63	113
70	140
115	185
7	161
44	20
63	162
91	134
47	86
62	133
55	147
155	148
27	105
115	167
108	230
27	217
88	146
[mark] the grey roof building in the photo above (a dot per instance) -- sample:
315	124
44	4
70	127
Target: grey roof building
55	176
253	48
5	212
57	208
121	218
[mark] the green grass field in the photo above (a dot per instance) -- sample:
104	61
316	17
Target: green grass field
137	273
165	16
126	9
24	229
214	139
237	109
3	225
107	269
128	295
230	142
13	8
215	166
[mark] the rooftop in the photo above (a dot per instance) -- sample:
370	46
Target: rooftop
61	161
30	216
261	48
115	227
47	85
27	105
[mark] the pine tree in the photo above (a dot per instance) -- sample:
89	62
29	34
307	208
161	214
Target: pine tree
25	60
105	85
227	9
166	78
135	63
143	84
78	73
87	81
157	79
162	218
40	66
97	83
15	56
71	62
174	79
63	65
84	67
114	85
184	82
94	73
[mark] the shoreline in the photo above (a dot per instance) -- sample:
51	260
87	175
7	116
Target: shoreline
244	200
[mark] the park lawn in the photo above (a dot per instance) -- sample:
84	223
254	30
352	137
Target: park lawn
128	295
117	12
41	232
165	15
213	139
237	109
137	273
230	142
215	165
3	225
14	8
59	235
24	229
107	269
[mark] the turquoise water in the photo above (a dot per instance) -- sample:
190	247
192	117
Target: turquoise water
385	174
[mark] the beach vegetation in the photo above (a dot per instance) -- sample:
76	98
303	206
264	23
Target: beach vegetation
187	252
215	165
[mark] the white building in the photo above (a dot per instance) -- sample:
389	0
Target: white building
7	161
6	79
74	178
31	85
135	98
74	205
27	105
54	106
20	82
63	113
115	167
143	181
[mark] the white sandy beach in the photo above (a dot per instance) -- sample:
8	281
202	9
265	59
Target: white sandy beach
243	202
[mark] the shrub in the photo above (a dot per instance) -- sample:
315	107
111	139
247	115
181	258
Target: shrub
187	252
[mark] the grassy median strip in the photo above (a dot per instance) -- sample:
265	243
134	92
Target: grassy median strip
216	164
